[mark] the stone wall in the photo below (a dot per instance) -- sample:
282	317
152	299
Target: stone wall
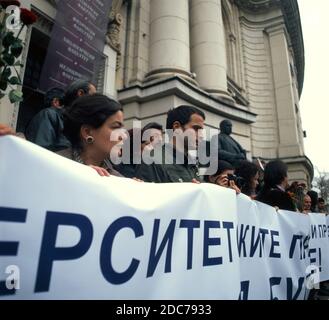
233	59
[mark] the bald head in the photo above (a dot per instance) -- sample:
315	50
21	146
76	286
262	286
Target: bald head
307	203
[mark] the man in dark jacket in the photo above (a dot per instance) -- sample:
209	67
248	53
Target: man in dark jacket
78	88
274	192
46	128
173	162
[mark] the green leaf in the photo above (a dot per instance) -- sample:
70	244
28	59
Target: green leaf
3	85
16	49
17	41
6	74
8	40
9	59
14	80
5	51
15	96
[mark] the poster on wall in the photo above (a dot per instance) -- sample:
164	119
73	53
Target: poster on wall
77	42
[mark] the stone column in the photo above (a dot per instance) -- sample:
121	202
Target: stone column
208	53
169	39
283	86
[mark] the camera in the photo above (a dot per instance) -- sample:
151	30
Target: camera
239	181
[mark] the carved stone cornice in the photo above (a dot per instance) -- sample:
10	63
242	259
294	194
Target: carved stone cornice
114	29
113	32
291	15
256	5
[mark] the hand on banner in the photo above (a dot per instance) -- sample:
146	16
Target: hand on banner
4	130
138	180
233	186
101	171
195	181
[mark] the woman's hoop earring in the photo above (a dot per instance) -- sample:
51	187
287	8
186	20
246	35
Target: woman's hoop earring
90	140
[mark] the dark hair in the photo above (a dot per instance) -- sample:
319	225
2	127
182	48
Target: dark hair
152	125
73	88
51	94
182	114
321	200
92	110
247	170
222	166
275	172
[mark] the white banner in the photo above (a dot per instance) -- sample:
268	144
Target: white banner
67	233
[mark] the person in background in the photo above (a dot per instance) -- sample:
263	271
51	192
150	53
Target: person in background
128	170
224	176
297	191
174	162
46	128
307	204
274	192
78	88
250	174
152	135
93	124
261	164
322	206
146	139
314	198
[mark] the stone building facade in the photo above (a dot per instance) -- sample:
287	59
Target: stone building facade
241	60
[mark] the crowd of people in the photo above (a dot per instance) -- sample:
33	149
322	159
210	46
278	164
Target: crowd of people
87	127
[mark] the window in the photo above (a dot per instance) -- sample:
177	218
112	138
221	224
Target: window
33	97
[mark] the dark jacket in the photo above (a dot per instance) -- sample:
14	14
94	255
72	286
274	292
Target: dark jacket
127	170
46	130
165	169
70	154
276	198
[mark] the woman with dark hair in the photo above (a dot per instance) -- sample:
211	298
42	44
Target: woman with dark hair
92	124
274	192
249	173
